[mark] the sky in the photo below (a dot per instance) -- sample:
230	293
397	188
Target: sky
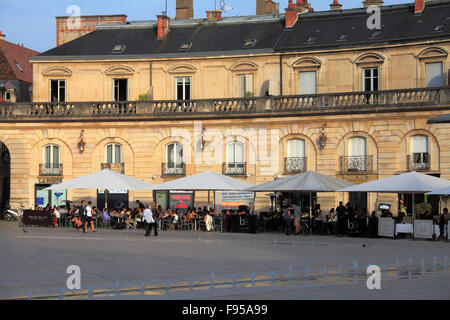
33	24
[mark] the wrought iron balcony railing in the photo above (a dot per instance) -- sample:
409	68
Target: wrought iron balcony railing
418	161
294	165
116	167
356	164
402	99
234	168
50	169
173	169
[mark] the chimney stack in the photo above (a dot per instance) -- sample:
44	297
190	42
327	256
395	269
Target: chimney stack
335	5
213	15
2	36
265	7
419	6
368	3
185	9
163	26
294	9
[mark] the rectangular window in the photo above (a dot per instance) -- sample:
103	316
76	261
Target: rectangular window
183	88
120	89
370	79
8	96
307	81
58	90
434	74
245	85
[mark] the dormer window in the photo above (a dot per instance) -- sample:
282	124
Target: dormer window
18	66
344	37
439	27
119	48
186	46
376	34
311	39
249	43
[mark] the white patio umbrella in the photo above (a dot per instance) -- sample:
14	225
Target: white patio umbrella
205	181
104	179
440	192
303	182
411	182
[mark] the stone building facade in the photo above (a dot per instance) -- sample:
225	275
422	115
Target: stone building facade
251	97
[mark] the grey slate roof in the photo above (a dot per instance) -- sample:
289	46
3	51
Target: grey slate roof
226	37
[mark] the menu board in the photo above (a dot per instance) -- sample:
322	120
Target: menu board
181	201
233	199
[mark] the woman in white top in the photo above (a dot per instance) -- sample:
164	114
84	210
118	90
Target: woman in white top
89	217
209	222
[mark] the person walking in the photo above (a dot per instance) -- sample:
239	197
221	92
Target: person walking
149	222
89	217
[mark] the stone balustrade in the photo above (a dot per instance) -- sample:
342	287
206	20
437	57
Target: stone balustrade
228	107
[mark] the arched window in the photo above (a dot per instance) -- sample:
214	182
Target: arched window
51	161
357	158
295	161
51	155
420	157
113	153
174	153
235	158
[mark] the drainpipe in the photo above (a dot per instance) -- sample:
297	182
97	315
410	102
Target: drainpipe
281	74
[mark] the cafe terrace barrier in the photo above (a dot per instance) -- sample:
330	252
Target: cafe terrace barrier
33	218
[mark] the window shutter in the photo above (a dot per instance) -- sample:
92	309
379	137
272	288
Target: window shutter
109	154
296	148
239	156
307	82
55	155
435	77
419	144
118	154
249	83
357	147
230	153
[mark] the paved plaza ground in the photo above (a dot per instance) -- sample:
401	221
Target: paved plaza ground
36	261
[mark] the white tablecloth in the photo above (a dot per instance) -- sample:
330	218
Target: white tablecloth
404	228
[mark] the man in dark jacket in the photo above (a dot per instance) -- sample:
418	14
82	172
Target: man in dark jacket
83	215
342	219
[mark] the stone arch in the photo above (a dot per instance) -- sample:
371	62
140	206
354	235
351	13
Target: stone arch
369	58
433	52
307	62
128	156
371	148
182	68
159	154
244	66
57	71
119	70
310	150
404	149
66	156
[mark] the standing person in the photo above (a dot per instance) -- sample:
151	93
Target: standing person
443	219
297	218
340	210
287	220
89	217
82	215
149	222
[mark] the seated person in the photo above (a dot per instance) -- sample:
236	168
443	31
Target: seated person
105	216
332	222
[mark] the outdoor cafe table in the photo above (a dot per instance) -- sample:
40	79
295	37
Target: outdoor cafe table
404	228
